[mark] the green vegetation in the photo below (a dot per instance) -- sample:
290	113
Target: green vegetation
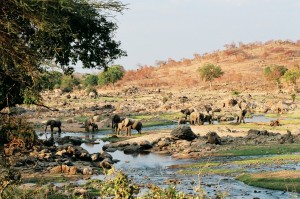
236	93
271	149
208	72
291	76
17	129
274	73
68	82
111	75
212	171
51	80
278	183
90	80
37	35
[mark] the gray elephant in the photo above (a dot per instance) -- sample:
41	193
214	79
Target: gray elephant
90	122
115	120
52	124
206	118
129	124
187	112
241	117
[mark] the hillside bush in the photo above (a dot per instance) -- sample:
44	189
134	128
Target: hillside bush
90	80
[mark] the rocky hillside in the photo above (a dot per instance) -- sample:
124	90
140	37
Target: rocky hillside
243	65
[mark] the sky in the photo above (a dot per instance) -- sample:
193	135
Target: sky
155	30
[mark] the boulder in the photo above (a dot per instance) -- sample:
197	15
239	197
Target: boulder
131	149
68	139
213	138
184	133
145	145
87	171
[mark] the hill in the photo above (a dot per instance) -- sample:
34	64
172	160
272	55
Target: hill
242	64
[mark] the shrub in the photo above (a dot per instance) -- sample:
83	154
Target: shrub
18	128
90	80
68	82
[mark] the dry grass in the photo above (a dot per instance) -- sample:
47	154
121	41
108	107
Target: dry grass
243	67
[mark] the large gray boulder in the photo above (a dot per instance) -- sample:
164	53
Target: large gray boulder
184	133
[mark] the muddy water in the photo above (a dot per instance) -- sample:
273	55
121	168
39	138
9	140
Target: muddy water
152	168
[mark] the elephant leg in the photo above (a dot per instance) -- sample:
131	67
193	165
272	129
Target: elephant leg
59	130
51	127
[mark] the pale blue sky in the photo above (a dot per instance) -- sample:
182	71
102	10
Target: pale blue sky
152	30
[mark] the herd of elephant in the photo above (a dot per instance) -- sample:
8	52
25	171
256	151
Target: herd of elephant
194	117
126	124
118	124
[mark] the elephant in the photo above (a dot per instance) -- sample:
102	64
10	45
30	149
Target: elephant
52	124
115	120
90	122
200	118
187	111
242	114
195	118
129	124
206	118
120	126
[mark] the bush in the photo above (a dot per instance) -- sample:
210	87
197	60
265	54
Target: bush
91	89
68	83
19	128
235	93
90	80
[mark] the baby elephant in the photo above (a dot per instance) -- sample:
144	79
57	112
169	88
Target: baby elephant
52	124
90	122
241	117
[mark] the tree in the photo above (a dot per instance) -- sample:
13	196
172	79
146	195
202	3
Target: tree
34	34
50	79
111	76
274	73
90	80
68	82
208	72
291	76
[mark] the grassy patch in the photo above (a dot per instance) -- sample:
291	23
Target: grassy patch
157	123
262	150
196	165
211	171
278	159
48	179
120	138
80	118
277	182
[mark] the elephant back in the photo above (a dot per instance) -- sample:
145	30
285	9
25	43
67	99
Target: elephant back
116	118
127	122
137	125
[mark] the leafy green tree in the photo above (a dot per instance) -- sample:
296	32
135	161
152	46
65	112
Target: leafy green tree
90	80
291	76
111	76
34	33
208	72
50	79
274	73
68	82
